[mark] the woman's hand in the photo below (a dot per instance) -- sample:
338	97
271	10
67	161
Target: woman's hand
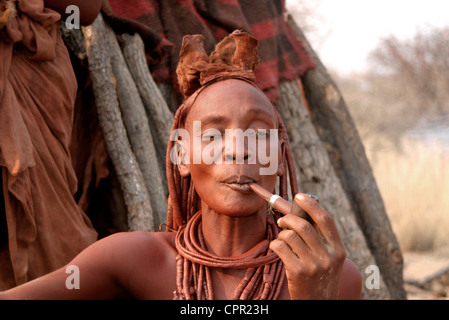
313	252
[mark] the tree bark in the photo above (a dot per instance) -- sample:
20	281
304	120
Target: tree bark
74	40
131	180
138	129
157	110
336	129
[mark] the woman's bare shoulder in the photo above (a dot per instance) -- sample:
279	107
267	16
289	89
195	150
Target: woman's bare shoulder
144	263
135	240
120	265
138	247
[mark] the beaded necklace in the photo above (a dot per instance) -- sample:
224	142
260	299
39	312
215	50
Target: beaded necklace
264	274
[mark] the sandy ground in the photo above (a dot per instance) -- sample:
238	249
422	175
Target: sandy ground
426	276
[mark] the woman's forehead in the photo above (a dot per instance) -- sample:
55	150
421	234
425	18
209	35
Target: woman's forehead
231	98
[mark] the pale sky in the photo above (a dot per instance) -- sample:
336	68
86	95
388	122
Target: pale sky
353	27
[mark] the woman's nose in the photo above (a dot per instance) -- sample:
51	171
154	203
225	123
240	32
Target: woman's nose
233	156
238	150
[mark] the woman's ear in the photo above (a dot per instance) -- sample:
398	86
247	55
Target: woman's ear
183	159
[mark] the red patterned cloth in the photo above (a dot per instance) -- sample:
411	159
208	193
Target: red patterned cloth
162	25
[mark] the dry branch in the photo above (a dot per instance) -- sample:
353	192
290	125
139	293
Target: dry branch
138	129
427	280
159	114
136	197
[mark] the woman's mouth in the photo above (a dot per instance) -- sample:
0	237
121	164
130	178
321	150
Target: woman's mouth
239	183
241	187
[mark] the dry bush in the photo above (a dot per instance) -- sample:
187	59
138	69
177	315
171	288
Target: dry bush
420	66
407	85
415	186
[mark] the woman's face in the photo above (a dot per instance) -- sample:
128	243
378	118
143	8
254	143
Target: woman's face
232	128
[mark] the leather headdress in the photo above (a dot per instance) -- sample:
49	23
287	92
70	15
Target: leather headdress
235	56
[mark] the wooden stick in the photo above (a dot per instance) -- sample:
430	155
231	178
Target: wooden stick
131	180
138	130
157	110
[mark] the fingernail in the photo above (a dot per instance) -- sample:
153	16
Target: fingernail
300	196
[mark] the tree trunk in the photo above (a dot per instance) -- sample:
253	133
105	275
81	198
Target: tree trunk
159	115
138	130
131	180
336	129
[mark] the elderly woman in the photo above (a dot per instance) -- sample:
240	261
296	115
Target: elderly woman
222	240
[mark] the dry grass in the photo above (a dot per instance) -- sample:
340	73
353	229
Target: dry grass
415	187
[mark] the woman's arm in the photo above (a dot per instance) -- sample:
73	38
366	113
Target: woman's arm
89	9
93	278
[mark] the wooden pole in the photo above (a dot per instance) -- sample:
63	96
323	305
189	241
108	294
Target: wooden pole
138	129
158	112
136	196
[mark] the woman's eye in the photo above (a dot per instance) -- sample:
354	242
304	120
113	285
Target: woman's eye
210	136
259	133
262	133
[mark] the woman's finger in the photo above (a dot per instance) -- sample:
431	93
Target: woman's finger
305	234
323	220
288	257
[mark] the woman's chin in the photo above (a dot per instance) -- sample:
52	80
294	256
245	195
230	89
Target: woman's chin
234	201
240	207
